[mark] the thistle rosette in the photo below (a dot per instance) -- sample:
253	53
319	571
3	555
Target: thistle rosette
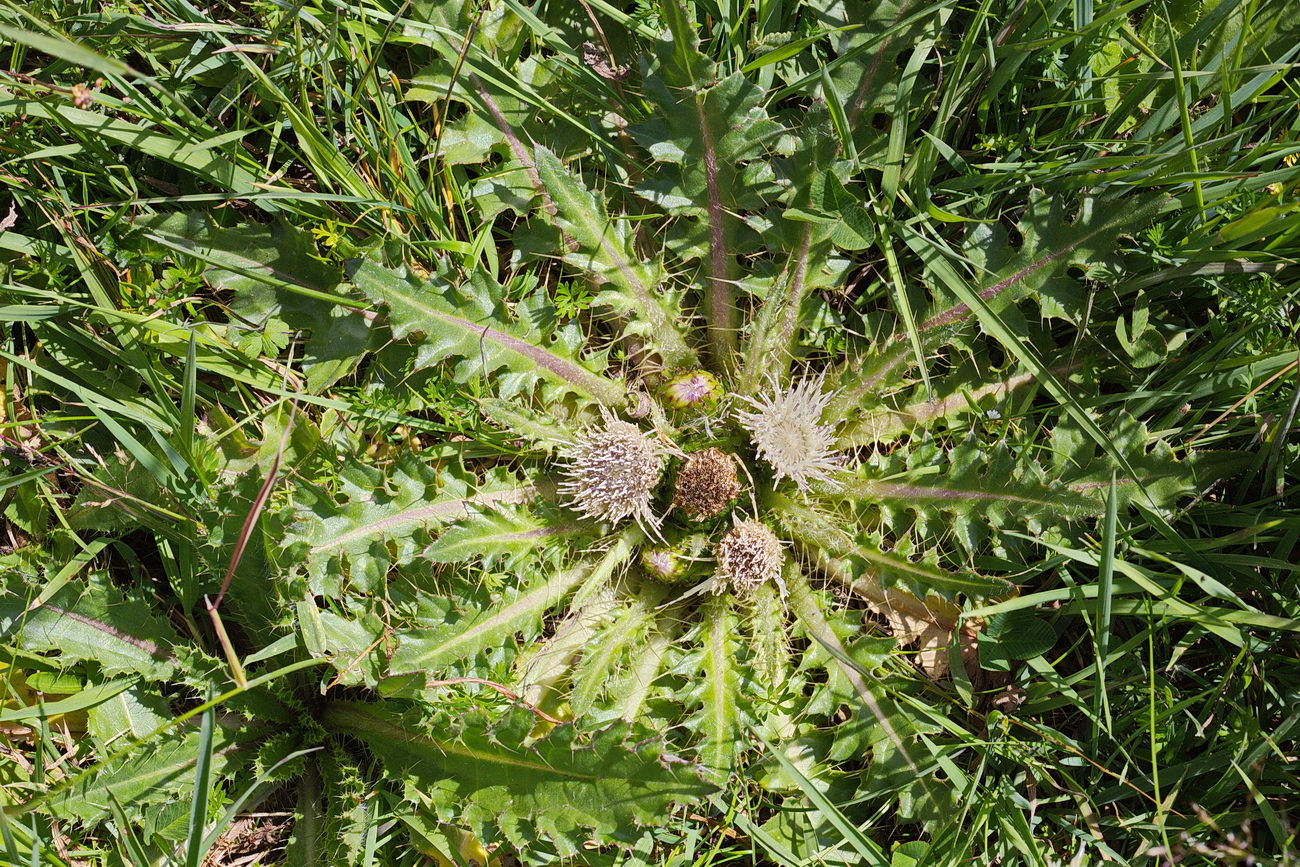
726	231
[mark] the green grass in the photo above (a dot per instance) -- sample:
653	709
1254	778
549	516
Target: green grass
267	564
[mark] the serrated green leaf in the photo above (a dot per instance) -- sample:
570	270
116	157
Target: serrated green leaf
145	775
604	249
274	278
431	649
377	519
507	535
718	686
602	657
565	787
468	324
1154	474
544	430
974	481
866	78
882	423
1052	239
706	128
821	533
94	623
637	685
775	328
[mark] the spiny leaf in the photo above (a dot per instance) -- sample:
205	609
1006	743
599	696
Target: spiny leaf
433	647
776	327
865	584
503	534
1159	477
94	622
717	686
603	657
872	36
145	775
1052	239
865	380
604	249
704	130
544	670
275	277
876	718
377	519
765	626
542	429
818	531
640	681
974	481
804	246
129	715
1028	272
469	324
884	423
348	642
565	787
837	645
430	649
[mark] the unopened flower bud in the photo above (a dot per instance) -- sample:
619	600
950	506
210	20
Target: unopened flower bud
697	389
663	564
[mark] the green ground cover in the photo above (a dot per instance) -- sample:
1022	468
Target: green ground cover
790	432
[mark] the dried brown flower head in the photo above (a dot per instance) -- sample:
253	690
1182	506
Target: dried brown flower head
706	484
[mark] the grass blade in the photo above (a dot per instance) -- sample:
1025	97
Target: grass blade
194	847
1105	594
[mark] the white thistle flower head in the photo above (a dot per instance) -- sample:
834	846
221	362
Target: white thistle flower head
749	556
786	429
612	471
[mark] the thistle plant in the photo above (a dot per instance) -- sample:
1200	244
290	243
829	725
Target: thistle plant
550	432
739	471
